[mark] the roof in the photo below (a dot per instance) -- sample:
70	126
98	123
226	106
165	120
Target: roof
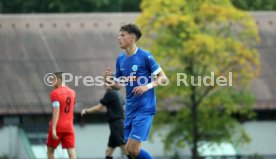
84	45
34	45
264	87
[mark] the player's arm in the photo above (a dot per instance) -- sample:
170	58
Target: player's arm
161	79
154	69
92	109
55	117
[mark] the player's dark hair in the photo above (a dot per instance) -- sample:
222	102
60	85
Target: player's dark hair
133	29
58	75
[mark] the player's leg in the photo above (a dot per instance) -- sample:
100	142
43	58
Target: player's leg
72	153
116	137
110	147
50	152
124	150
51	145
139	132
68	143
109	153
133	147
126	134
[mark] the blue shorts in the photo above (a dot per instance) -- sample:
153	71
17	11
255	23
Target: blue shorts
137	128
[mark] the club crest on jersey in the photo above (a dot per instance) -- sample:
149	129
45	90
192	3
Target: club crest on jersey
134	68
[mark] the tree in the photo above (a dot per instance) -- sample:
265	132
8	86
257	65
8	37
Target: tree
199	38
65	6
255	4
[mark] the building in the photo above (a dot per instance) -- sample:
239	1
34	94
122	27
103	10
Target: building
84	45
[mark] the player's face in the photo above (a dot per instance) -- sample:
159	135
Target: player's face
125	39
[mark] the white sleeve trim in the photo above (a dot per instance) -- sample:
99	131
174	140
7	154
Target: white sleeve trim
157	71
55	104
150	86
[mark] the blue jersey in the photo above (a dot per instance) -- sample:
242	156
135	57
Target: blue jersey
136	70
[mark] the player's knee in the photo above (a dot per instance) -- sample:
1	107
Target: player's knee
133	152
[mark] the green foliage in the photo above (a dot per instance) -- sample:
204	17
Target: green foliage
4	157
65	6
197	38
255	4
72	6
216	122
176	156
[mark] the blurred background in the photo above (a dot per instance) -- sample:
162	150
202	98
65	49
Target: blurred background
196	37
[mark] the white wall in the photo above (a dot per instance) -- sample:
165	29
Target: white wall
10	143
92	139
8	138
263	138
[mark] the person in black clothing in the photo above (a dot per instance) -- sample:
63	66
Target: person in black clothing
113	102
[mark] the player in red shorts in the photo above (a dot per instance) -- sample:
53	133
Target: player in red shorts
61	129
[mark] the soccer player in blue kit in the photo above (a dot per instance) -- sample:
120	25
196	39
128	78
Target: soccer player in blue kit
136	67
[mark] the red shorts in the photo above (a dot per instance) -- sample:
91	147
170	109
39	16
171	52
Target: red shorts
67	140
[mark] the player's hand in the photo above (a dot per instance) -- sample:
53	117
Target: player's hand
83	112
107	74
139	90
54	134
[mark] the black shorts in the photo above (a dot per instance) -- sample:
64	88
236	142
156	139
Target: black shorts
116	137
